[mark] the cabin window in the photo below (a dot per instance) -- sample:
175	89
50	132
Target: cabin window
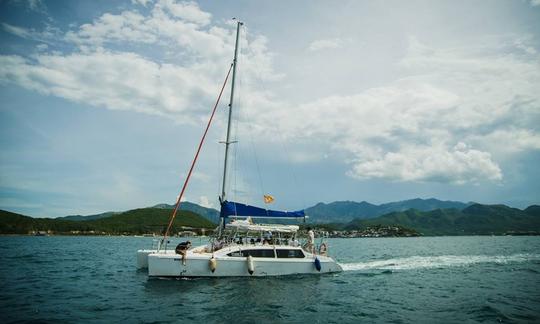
286	253
259	253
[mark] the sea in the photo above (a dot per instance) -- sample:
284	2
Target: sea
472	279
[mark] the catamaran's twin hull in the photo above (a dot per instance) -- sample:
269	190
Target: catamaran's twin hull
171	265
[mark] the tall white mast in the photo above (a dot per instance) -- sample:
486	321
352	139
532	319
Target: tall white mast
228	139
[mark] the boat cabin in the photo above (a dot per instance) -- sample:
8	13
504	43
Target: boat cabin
243	238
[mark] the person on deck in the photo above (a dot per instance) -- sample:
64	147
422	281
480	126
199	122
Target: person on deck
182	250
268	237
311	240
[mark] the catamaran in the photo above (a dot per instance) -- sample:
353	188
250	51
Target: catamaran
239	247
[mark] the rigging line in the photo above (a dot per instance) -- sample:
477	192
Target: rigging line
219	160
261	183
282	140
252	145
196	156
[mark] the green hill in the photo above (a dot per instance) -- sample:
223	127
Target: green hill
12	223
147	220
209	213
137	221
475	219
533	210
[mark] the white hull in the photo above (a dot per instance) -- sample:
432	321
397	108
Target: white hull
197	264
142	258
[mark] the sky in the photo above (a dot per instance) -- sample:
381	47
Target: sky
103	103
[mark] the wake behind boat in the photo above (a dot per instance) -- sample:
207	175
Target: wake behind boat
239	247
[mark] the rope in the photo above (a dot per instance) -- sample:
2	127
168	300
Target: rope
245	112
195	158
261	184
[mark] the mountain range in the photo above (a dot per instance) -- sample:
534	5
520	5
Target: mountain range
209	213
346	211
335	212
427	216
474	219
136	221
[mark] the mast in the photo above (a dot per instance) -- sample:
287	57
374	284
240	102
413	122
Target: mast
228	139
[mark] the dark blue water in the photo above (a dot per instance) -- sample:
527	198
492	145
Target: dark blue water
396	280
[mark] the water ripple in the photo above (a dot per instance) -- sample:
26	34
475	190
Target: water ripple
428	280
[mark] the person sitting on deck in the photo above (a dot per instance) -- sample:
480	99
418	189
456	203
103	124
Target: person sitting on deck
182	249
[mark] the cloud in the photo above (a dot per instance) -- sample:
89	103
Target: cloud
17	31
458	165
103	72
508	141
48	35
121	81
205	202
187	11
141	2
32	5
168	23
36	5
454	114
451	117
535	3
323	44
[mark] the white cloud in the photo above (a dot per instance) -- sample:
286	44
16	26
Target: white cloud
48	35
419	128
458	165
205	202
122	81
169	24
182	86
535	3
445	120
187	11
323	44
17	31
507	142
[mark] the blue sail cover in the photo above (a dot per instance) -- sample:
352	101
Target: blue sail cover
230	208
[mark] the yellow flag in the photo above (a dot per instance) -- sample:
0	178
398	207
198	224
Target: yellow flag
268	199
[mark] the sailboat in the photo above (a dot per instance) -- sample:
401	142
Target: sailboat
239	247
